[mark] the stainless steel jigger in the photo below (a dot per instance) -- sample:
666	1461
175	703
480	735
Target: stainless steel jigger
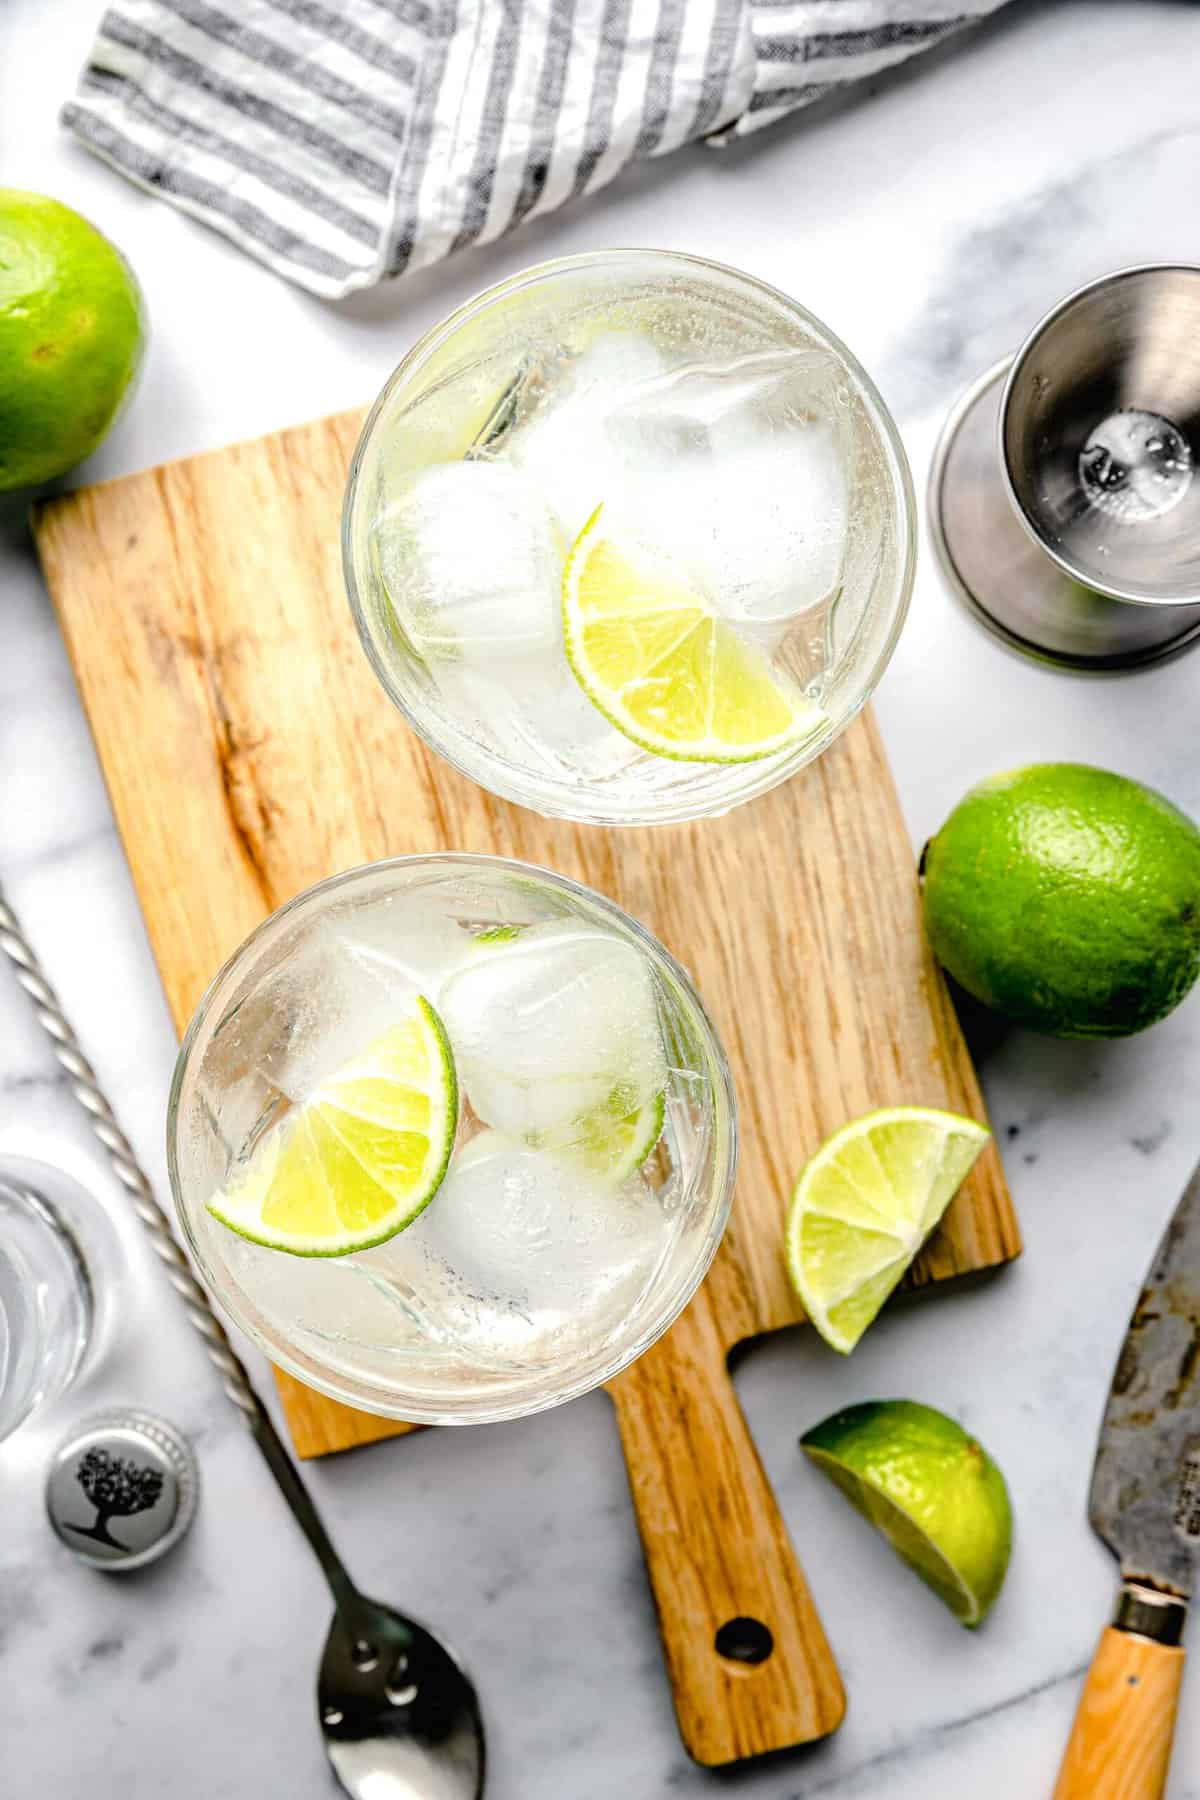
1064	497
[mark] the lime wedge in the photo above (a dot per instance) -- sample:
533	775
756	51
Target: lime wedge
865	1204
363	1155
610	1140
662	667
934	1493
497	934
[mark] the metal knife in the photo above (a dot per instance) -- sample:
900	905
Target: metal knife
1145	1505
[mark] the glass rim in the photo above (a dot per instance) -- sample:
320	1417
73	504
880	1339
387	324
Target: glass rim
518	790
725	1147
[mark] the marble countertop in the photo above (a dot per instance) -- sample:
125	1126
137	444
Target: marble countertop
929	223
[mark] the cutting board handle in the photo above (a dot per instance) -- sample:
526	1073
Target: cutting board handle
1120	1746
748	1659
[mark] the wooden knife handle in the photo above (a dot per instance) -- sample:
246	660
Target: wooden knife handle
1120	1746
747	1657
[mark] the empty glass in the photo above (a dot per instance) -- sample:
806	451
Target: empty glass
47	1304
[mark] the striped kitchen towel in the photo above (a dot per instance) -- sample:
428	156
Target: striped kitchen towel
344	141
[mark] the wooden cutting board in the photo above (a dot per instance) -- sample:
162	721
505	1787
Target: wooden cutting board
249	752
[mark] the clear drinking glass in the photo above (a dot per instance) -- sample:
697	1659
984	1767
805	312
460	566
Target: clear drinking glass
718	426
47	1310
550	1257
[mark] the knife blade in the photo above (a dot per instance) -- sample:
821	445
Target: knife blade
1145	1506
1145	1496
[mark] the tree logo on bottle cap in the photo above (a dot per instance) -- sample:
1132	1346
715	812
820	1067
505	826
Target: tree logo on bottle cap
117	1487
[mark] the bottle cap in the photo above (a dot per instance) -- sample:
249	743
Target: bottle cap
121	1490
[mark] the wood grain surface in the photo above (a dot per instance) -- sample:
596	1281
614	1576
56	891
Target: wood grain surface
249	752
1120	1747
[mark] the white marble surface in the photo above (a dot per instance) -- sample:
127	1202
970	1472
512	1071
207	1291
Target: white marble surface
929	223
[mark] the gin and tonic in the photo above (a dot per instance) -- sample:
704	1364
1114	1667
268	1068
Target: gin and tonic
629	538
452	1138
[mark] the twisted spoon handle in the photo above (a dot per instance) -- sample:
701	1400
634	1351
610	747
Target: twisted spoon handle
129	1173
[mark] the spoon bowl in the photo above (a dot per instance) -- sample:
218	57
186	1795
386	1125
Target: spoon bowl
400	1718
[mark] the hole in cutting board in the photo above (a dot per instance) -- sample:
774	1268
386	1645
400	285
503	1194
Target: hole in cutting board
744	1641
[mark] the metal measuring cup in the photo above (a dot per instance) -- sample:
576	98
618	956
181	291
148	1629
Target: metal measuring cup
1064	496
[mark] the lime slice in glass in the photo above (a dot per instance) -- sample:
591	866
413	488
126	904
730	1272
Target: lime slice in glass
662	667
361	1157
611	1140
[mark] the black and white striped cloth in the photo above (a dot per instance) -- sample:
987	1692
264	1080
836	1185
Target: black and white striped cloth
345	141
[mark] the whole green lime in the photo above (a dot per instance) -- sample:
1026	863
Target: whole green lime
1068	899
934	1493
72	329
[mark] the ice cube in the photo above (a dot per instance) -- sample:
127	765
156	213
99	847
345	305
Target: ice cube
699	402
752	497
405	944
531	1230
469	558
775	541
548	1026
305	1016
338	985
534	714
561	727
565	449
329	1298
